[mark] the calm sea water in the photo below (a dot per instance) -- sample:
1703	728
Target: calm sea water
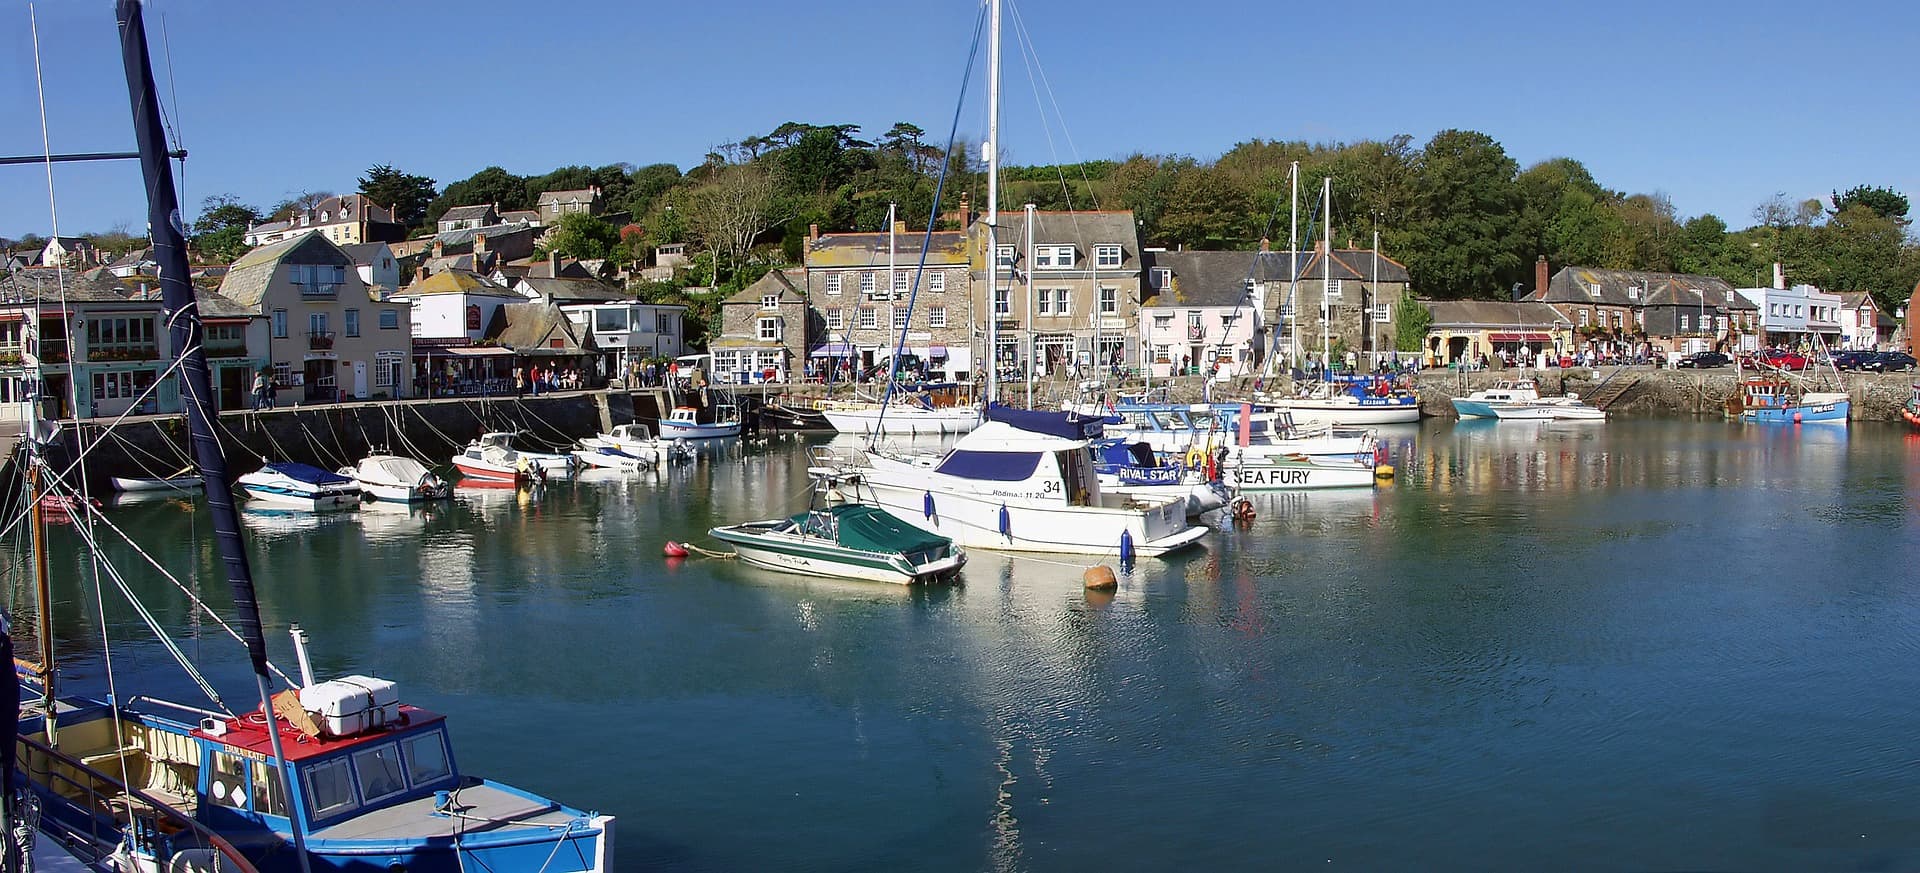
1644	645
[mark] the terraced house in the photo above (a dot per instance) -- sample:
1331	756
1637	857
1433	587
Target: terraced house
1066	288
873	294
328	337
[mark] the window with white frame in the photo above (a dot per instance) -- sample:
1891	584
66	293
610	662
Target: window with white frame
1006	257
769	301
386	367
1162	278
1002	302
1686	322
836	318
902	281
1044	298
1107	257
770	328
833	284
1109	300
282	373
1163	354
1336	291
937	281
899	317
1382	313
1162	322
866	282
1584	317
937	316
1052	257
869	316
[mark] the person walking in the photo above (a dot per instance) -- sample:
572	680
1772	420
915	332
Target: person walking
259	391
519	382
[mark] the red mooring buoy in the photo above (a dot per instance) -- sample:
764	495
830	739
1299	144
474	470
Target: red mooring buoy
674	550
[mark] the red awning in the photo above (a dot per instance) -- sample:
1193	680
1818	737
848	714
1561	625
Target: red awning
1520	338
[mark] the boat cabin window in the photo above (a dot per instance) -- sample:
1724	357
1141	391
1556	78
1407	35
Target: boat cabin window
269	793
1076	470
380	775
330	788
995	466
1169	421
427	758
1204	421
231	782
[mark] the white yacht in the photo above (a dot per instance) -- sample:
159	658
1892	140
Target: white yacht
1021	481
391	477
291	485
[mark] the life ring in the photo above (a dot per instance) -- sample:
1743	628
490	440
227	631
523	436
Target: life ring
1242	509
1195	458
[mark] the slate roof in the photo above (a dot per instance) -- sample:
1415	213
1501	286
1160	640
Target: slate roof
1493	313
574	290
582	195
785	283
531	327
945	248
247	279
43	285
215	305
134	257
468	213
1083	230
465	235
1853	299
1594	285
362	253
1205	278
1347	264
520	216
458	282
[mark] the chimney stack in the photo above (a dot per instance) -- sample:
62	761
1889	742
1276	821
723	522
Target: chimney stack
479	246
813	233
1541	276
439	249
966	209
899	227
1266	245
553	264
1779	277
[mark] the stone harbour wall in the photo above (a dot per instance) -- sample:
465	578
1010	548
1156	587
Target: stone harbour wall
1876	397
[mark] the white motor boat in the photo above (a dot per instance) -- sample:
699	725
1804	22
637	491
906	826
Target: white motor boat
1135	470
638	441
550	463
392	477
846	541
291	485
683	422
1520	400
126	485
1353	400
606	457
1301	472
904	420
1021	481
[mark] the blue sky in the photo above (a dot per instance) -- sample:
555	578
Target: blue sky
1717	104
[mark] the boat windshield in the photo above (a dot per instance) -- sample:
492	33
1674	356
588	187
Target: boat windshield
994	466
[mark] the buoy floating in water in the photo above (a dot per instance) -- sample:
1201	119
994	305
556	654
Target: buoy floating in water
1241	509
1383	471
1100	578
674	550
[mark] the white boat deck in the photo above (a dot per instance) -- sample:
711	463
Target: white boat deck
480	808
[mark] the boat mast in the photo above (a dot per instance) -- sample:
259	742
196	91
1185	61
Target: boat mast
1374	292
894	357
182	313
1293	267
1326	271
1033	353
993	205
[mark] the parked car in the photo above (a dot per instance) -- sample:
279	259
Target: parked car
1780	359
1889	362
1852	359
1703	360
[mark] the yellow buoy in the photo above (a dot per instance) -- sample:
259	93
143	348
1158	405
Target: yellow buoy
1100	578
1383	471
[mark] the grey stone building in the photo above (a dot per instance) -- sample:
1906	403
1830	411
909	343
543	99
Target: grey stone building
763	329
1069	291
872	293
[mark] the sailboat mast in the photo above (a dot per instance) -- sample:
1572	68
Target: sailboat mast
182	315
1293	267
993	205
894	357
1326	270
1033	354
42	591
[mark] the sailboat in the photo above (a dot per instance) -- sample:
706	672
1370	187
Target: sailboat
334	775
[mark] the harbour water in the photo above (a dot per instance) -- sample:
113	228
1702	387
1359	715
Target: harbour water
1643	645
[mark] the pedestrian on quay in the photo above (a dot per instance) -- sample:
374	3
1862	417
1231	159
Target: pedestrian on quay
519	382
259	391
273	391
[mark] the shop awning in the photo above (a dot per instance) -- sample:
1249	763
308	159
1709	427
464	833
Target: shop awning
1520	338
936	351
476	351
833	350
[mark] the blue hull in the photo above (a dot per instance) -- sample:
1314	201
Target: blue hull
1815	414
1472	408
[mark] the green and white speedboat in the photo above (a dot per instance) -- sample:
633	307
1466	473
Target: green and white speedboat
848	541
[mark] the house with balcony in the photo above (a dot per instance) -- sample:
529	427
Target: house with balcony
869	290
449	315
329	338
1067	288
1203	312
763	331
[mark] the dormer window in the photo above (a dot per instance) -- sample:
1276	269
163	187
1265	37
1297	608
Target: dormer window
1162	278
1053	257
769	301
1107	257
1633	292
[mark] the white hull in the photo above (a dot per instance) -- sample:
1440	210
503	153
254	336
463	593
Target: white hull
1299	476
137	486
1333	412
681	431
1200	498
319	503
394	493
973	520
905	421
396	480
786	558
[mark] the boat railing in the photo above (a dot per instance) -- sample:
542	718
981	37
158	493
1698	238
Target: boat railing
154	822
833	458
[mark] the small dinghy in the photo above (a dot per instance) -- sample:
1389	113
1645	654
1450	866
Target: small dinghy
848	542
606	457
290	485
126	485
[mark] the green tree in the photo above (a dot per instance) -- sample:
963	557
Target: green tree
1463	239
580	235
1411	321
1885	201
220	233
491	185
408	195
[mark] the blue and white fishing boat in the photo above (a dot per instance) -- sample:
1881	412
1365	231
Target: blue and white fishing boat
684	422
331	776
1351	400
1776	400
292	485
1134	469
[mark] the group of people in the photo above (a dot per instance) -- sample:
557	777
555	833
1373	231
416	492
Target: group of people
264	391
540	379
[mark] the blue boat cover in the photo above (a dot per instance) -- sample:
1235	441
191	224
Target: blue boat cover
307	473
994	466
1120	453
1065	425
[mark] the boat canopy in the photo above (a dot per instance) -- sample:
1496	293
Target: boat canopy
307	473
871	529
1125	454
1065	425
996	436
